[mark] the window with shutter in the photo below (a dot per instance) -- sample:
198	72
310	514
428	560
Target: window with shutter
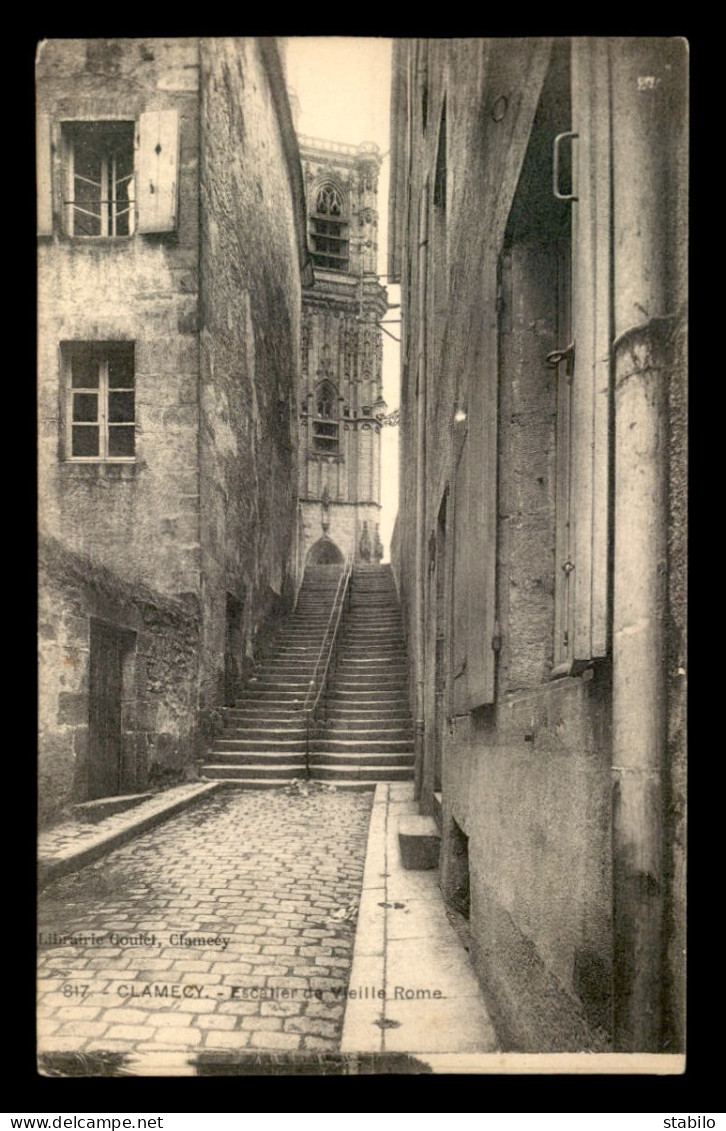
98	178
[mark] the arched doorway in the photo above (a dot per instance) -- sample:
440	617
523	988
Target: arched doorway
324	552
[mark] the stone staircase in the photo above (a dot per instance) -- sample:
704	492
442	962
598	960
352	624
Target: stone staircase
364	732
367	734
263	743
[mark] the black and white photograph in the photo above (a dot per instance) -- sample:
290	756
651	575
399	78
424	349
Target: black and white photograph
362	476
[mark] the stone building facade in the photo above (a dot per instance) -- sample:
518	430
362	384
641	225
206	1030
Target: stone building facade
171	238
540	544
341	357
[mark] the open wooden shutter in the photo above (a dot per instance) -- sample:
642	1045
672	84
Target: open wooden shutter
44	176
482	509
592	334
157	175
460	615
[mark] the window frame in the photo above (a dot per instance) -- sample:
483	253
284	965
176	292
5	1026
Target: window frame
326	426
103	350
108	216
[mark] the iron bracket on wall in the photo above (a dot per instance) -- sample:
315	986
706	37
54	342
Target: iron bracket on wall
558	356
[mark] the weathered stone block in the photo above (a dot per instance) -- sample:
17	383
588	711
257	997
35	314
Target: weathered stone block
419	840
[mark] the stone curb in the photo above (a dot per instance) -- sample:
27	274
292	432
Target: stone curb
360	1032
50	869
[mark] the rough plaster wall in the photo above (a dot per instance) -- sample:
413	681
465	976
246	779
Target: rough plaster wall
249	352
159	701
140	520
528	785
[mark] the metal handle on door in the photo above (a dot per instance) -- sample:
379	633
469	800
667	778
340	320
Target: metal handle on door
556	167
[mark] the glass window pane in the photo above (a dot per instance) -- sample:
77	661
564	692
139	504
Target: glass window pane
121	440
84	368
121	366
85	224
85	406
120	407
85	440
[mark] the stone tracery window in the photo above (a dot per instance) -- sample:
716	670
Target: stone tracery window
325	424
329	229
328	202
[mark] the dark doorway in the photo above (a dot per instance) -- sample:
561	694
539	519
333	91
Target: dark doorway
233	646
109	646
324	552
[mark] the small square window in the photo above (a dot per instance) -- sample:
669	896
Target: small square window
100	400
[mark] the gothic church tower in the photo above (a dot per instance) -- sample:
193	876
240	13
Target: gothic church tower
341	381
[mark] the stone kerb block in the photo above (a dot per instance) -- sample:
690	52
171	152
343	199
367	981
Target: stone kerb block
419	841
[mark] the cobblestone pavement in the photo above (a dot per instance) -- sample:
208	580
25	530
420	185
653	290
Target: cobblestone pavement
231	926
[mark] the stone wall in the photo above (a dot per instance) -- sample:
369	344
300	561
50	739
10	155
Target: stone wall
159	724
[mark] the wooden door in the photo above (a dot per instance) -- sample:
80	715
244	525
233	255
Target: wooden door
104	754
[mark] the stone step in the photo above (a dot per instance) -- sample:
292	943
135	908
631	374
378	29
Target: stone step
373	732
382	635
364	746
265	694
355	758
370	618
272	732
368	683
264	719
357	785
374	669
302	638
256	758
246	775
389	647
354	772
282	665
384	697
265	683
264	745
354	716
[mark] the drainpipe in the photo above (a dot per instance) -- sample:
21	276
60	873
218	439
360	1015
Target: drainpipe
643	246
419	737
